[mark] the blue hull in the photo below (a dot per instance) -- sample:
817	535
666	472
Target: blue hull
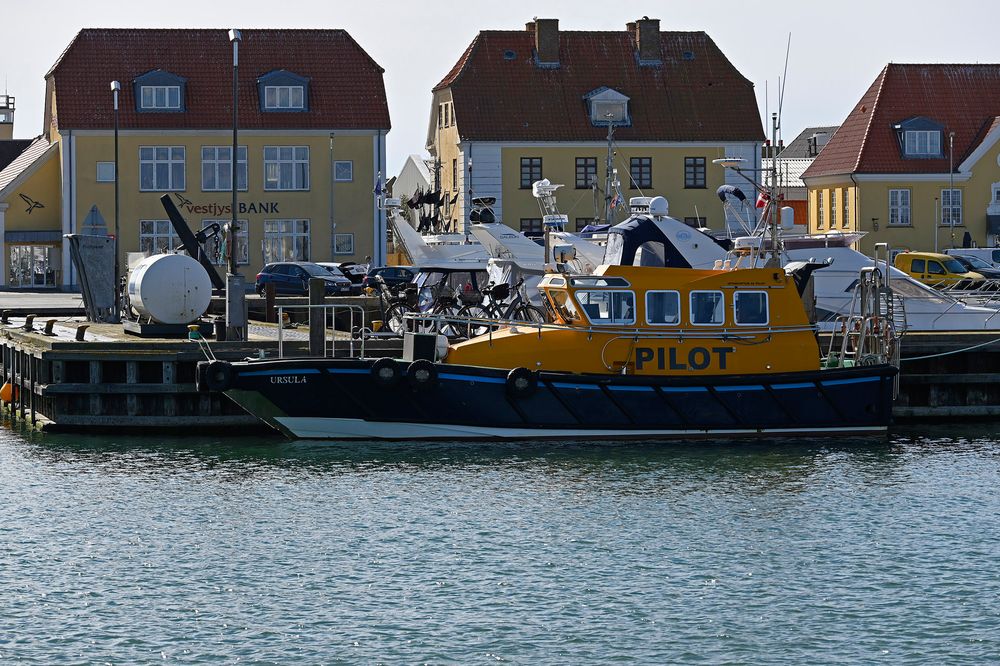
346	399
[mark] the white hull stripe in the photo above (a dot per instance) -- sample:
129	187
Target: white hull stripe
324	428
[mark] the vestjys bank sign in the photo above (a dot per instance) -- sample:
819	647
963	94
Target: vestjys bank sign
223	210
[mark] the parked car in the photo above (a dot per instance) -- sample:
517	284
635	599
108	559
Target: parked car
975	264
339	271
352	271
936	269
292	277
393	276
989	254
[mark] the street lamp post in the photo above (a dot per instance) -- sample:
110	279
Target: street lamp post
235	287
116	314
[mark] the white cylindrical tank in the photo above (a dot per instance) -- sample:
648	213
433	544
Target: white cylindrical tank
170	288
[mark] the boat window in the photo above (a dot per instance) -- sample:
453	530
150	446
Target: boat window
651	253
663	308
557	282
751	307
598	281
934	268
562	304
707	308
917	266
608	307
996	256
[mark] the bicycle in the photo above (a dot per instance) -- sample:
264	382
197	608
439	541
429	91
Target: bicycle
495	307
395	305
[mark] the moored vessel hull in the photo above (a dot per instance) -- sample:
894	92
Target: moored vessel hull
349	399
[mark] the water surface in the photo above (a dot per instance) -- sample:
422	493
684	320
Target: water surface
139	549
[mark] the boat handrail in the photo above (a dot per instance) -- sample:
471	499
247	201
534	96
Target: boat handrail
330	311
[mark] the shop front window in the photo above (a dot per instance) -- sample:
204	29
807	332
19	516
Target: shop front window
34	266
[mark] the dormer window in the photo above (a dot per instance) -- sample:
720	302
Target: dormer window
283	98
919	138
922	143
159	91
607	106
282	91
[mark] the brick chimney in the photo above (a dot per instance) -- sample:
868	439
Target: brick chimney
547	41
647	40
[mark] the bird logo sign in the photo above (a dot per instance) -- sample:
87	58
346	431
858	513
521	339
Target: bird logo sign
32	204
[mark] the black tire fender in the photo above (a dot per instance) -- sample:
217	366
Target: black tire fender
521	383
386	372
218	376
422	374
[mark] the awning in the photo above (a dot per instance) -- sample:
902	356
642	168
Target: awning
993	224
33	236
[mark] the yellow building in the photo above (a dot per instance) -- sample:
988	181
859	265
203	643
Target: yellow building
520	106
916	163
312	124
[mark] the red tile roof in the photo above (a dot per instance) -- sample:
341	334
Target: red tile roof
695	95
964	99
346	87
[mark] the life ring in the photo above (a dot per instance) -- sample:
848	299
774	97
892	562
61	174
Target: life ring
218	376
386	372
422	374
521	383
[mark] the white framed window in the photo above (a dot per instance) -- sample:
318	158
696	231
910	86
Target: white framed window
284	97
707	308
833	208
663	308
216	248
343	243
105	172
160	97
217	168
922	143
608	307
161	168
951	208
343	171
899	208
847	208
286	240
286	167
819	209
750	308
157	237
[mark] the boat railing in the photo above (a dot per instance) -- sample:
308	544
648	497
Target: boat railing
334	339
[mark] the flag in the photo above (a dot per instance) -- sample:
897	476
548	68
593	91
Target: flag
616	200
378	185
762	199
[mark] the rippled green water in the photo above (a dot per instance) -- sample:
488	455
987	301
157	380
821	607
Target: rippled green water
135	550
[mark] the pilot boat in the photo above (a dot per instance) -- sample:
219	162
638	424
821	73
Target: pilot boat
632	352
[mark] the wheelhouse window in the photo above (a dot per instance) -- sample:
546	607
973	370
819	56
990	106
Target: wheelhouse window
286	168
607	307
154	98
694	172
663	308
531	171
586	172
641	172
707	308
157	237
216	247
217	168
951	208
161	168
899	208
286	240
750	307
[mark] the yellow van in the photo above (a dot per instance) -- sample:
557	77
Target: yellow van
937	270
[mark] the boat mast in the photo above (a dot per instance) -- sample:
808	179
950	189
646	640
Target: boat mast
775	216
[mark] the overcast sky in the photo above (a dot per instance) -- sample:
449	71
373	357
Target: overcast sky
837	49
